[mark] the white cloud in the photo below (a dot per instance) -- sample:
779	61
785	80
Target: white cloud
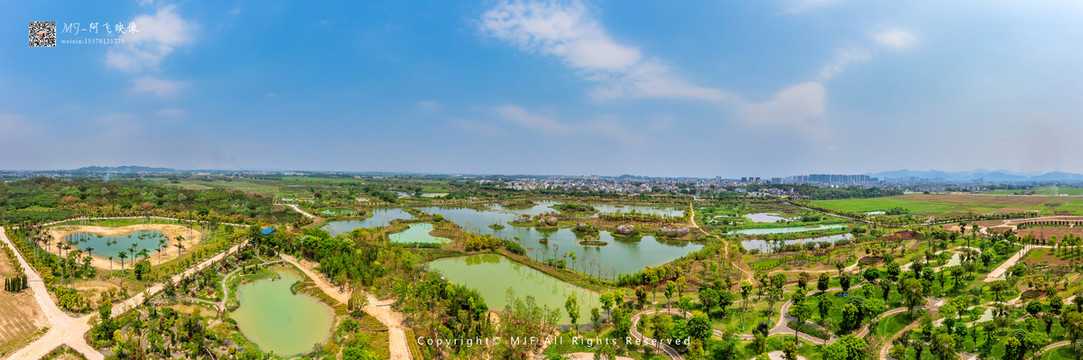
800	6
158	35
160	87
521	117
604	126
895	38
570	33
790	106
844	58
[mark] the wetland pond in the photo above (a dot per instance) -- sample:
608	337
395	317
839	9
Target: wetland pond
418	233
620	256
379	218
275	319
785	230
106	246
768	245
493	274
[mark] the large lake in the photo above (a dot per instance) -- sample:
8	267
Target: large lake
619	257
493	274
276	319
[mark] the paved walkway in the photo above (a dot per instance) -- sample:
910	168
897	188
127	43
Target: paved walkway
297	209
63	329
669	350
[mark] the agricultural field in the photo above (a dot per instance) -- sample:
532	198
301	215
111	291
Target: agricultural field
1045	190
20	317
959	204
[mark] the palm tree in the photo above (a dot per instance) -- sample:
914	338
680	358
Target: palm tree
161	244
179	246
123	255
110	265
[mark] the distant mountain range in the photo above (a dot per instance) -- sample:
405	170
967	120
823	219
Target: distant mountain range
980	174
123	169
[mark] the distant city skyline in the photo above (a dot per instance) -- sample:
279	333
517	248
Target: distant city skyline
699	88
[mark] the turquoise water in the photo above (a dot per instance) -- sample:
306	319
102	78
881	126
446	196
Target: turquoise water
380	218
417	233
106	246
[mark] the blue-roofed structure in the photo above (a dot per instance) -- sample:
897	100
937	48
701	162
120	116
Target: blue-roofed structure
268	231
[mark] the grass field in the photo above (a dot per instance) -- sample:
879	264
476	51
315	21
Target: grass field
958	204
1045	190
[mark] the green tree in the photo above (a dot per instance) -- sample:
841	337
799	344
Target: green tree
572	306
913	293
824	282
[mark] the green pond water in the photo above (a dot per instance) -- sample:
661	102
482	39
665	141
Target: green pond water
620	256
106	246
275	319
380	218
417	233
492	275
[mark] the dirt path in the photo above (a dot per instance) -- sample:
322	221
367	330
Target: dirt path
725	244
297	209
393	320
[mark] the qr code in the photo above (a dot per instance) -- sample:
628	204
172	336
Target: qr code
43	34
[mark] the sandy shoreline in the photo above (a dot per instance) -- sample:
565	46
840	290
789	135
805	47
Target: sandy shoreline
191	239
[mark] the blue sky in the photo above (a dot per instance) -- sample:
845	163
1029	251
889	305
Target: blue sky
664	88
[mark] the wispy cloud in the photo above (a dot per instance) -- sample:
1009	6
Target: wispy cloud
801	6
157	36
891	39
157	86
790	106
895	38
604	126
171	113
570	32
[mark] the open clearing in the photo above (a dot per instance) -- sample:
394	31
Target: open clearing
957	204
20	317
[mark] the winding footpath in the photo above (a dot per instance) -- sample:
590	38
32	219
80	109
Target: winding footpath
63	329
297	209
725	244
393	320
67	330
669	350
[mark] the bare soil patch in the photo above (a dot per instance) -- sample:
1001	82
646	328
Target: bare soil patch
20	316
1048	232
